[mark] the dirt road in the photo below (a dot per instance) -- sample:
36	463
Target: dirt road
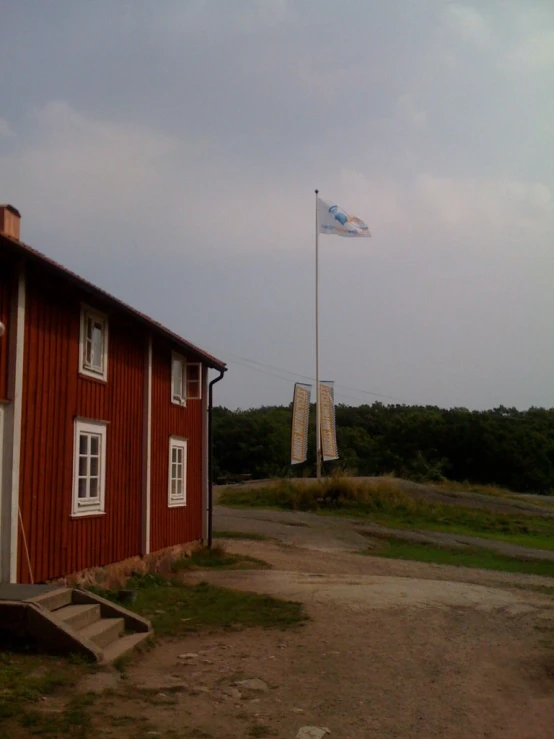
394	650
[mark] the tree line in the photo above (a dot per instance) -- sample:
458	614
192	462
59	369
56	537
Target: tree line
503	446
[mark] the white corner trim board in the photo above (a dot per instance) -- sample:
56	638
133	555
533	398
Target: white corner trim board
12	435
147	450
205	453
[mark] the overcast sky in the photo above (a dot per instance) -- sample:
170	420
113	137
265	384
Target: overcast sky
168	150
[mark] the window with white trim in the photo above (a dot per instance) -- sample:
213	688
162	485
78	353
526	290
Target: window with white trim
89	468
186	380
93	345
177	488
194	381
178	379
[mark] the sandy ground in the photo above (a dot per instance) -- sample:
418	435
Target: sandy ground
393	650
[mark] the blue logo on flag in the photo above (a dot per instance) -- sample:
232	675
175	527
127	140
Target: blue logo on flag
339	214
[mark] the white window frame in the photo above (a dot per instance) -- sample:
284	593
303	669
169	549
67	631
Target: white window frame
188	382
84	368
89	506
179	398
177	499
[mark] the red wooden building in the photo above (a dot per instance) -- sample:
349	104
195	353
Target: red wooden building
104	423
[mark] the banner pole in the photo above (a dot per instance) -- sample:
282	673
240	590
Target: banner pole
317	406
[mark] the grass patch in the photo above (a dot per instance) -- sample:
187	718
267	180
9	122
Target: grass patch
72	721
475	558
526	536
385	502
243	535
452	486
26	678
28	682
217	558
205	606
175	609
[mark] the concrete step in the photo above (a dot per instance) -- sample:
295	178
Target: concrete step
104	631
54	599
125	644
79	616
72	620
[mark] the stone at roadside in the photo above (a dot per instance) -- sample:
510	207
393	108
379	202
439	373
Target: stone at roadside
312	732
175	686
298	710
188	655
253	684
231	692
166	683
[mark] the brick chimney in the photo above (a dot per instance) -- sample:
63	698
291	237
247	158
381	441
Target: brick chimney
10	219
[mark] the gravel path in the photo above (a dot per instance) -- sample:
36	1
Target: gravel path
393	649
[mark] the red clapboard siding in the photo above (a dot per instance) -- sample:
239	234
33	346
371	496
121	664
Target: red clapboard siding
54	394
170	526
6	291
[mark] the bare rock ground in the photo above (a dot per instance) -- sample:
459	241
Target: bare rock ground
335	533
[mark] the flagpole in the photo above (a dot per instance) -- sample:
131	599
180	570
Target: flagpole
317	407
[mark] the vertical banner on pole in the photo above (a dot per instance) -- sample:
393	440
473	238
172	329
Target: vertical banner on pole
329	446
300	419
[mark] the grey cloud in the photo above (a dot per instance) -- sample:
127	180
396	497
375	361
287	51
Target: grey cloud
169	151
468	23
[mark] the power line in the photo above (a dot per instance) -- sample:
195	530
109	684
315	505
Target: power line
307	377
264	371
339	393
266	367
270	366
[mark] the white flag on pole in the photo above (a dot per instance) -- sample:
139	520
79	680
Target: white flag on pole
333	219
